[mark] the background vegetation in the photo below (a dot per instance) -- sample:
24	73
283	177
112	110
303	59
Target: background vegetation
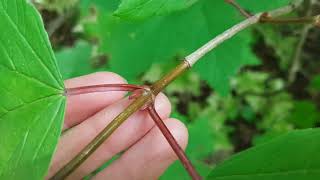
276	90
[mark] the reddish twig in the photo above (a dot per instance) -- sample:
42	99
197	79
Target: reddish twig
145	98
239	8
173	143
137	90
102	88
265	18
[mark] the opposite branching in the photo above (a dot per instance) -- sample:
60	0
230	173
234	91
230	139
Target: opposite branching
144	96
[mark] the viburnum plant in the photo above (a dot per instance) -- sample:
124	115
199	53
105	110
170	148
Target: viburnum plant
33	99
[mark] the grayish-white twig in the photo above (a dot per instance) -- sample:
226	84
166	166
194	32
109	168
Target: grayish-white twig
58	22
194	57
296	62
285	10
198	54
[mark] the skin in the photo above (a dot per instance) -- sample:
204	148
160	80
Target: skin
147	153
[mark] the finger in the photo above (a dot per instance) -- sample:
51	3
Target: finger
81	107
148	158
127	134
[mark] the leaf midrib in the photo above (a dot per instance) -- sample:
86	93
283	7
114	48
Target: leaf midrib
30	103
33	51
30	77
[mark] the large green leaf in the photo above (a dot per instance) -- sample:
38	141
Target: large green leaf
300	110
139	9
31	102
138	45
315	83
162	39
263	5
232	54
294	156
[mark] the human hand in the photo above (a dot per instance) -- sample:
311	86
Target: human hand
147	153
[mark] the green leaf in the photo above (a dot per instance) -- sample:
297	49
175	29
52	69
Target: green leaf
164	39
201	142
305	114
138	45
200	145
140	9
315	83
231	55
177	170
263	5
75	61
31	102
294	156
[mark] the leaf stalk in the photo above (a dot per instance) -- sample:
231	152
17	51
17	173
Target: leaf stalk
137	104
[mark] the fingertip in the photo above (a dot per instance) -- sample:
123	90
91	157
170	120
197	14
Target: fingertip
179	132
150	149
163	106
94	79
110	77
162	148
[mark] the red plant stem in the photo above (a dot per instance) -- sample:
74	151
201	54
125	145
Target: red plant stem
265	18
173	143
101	88
239	8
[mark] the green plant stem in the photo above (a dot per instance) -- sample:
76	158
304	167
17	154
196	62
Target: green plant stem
145	98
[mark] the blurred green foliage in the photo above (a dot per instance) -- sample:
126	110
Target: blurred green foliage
223	112
75	61
153	40
315	83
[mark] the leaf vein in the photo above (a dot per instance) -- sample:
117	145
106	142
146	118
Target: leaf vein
32	49
46	132
137	7
22	148
6	54
27	104
30	77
